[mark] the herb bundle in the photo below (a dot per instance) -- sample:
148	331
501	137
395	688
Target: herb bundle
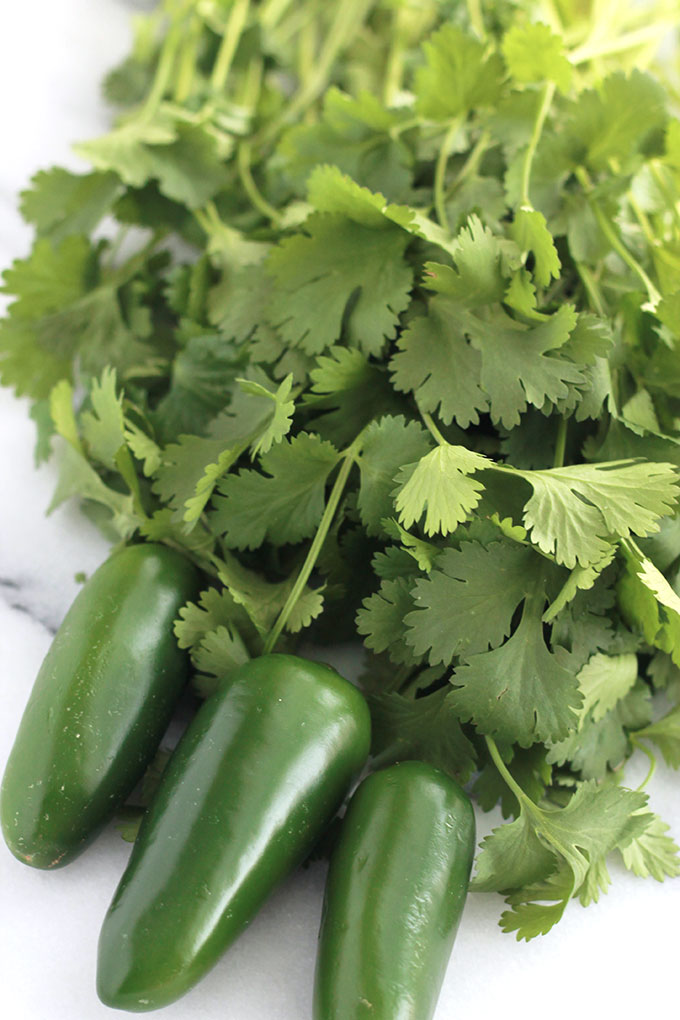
373	310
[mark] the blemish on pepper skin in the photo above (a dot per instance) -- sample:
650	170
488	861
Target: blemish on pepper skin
56	860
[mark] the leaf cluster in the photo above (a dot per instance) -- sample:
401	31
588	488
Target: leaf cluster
374	313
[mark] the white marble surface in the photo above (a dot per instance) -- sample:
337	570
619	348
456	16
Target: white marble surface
617	959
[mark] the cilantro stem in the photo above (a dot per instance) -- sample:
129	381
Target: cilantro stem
652	759
229	44
628	41
621	250
505	774
592	289
127	471
187	62
614	239
662	184
348	18
272	12
394	69
548	93
116	245
243	159
349	459
560	443
476	18
642	219
432	428
164	70
440	172
471	163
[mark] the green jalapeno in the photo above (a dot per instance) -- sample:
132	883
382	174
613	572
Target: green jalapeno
99	706
396	887
262	768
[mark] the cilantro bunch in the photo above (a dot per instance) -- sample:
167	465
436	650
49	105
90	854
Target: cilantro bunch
373	309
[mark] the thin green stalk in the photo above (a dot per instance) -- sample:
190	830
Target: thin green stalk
432	428
394	68
560	443
126	469
229	44
164	71
551	15
349	458
203	221
405	125
116	245
652	759
306	50
272	12
663	187
623	253
548	93
642	219
592	288
243	158
440	172
187	62
506	776
476	18
349	16
471	163
628	41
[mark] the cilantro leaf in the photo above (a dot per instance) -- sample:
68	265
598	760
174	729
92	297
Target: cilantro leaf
51	277
440	487
458	74
184	158
220	652
336	260
575	511
103	428
534	53
653	853
467	602
355	134
482	261
386	446
530	231
191	467
349	391
60	203
665	733
520	692
614	120
548	855
282	506
381	620
439	366
512	856
604	680
517	366
263	600
425	729
201	381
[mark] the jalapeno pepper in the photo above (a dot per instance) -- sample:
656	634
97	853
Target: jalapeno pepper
100	704
262	768
395	892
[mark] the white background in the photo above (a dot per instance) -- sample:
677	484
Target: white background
615	959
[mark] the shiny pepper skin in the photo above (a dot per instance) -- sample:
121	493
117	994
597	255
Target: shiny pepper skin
396	888
260	771
100	704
